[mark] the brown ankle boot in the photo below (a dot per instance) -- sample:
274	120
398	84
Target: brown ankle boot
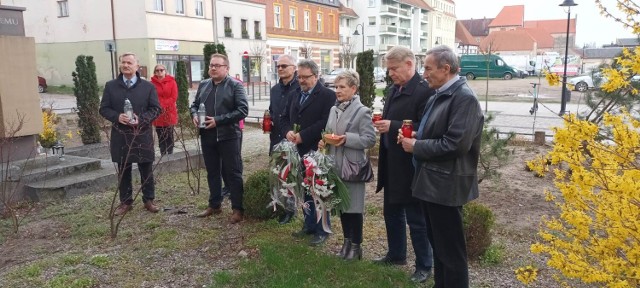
209	211
236	216
151	207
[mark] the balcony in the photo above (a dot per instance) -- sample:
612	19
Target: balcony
424	18
388	29
424	34
404	13
385	47
388	9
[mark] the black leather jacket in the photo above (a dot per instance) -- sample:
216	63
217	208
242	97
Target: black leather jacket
230	106
448	149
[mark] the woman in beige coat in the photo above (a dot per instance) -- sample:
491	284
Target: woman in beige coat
351	121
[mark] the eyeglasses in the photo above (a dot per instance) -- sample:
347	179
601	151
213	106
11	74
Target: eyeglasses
159	70
305	77
217	66
283	66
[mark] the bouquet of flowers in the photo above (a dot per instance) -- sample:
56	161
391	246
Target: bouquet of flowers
285	179
321	182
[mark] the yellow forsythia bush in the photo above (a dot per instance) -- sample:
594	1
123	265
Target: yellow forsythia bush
49	135
596	236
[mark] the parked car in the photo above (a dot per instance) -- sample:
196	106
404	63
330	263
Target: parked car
591	81
42	85
331	77
379	74
472	66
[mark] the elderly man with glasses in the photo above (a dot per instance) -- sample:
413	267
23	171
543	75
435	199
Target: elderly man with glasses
225	103
309	108
281	94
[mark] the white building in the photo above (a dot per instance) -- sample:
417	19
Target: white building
158	31
388	23
443	23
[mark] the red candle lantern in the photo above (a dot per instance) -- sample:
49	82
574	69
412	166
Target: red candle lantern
377	116
266	122
407	128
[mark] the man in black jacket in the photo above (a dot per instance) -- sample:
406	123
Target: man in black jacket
281	95
395	170
131	139
309	109
446	150
225	103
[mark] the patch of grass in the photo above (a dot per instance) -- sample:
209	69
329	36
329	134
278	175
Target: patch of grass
493	255
31	271
67	281
380	92
100	260
295	264
71	259
62	89
372	209
164	238
152	225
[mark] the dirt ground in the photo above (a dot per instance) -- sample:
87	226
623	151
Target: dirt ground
515	89
516	199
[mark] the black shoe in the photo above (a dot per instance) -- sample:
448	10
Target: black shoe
355	253
301	233
346	246
388	261
420	276
286	218
318	239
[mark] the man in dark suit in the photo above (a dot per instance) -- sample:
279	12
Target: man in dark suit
131	139
395	170
446	150
309	109
281	95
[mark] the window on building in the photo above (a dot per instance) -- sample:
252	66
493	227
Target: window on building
332	23
158	5
256	27
307	21
276	16
372	3
179	6
292	18
199	8
243	26
372	21
319	18
227	24
347	3
371	40
438	22
63	8
347	22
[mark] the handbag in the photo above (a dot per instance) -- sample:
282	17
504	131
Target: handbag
355	171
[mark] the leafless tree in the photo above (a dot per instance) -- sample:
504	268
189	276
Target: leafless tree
346	54
306	50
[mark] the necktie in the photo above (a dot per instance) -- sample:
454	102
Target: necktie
128	83
304	97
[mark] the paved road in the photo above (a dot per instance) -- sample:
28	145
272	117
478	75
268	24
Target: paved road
510	116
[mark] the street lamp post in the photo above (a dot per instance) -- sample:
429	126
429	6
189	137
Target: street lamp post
563	103
356	34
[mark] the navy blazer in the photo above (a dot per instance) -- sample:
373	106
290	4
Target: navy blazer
311	116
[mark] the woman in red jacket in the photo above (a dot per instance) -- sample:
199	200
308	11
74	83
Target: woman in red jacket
168	95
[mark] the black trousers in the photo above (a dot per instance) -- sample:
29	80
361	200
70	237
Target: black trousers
352	226
165	139
446	234
222	158
146	178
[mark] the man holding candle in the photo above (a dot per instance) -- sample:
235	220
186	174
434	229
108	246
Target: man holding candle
225	104
446	151
405	101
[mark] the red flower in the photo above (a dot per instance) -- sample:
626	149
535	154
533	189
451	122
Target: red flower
319	182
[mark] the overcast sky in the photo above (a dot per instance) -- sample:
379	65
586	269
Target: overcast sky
592	27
